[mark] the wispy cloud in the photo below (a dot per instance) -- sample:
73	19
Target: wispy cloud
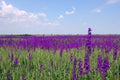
70	12
11	14
107	3
60	17
112	1
96	10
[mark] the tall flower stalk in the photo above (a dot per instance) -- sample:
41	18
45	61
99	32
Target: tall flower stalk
61	52
9	75
88	43
105	67
41	68
86	64
29	56
51	64
16	62
99	63
23	77
80	68
115	53
74	70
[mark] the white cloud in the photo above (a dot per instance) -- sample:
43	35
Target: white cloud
11	14
96	10
107	3
60	17
112	1
71	12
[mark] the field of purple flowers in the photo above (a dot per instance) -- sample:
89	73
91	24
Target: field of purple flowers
66	57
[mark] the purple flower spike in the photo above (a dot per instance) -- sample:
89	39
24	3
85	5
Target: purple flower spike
75	78
29	56
41	68
88	42
8	75
75	62
86	63
99	63
23	77
52	64
80	68
105	67
16	62
61	50
74	69
115	53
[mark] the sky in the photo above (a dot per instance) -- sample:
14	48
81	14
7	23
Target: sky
59	16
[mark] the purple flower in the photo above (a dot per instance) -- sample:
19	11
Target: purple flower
51	64
41	68
88	43
29	56
74	65
80	68
8	75
16	62
75	78
89	29
74	68
99	62
23	77
105	67
86	63
115	53
61	50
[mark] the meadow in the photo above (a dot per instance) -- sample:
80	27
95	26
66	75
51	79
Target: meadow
60	57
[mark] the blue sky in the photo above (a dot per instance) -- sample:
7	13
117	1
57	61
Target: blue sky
59	16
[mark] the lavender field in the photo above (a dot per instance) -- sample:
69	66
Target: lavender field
60	57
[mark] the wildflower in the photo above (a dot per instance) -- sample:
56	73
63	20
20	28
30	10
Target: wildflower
86	64
80	68
105	67
88	43
61	50
8	75
74	69
29	56
74	65
99	63
41	68
75	78
23	77
115	53
16	62
51	64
